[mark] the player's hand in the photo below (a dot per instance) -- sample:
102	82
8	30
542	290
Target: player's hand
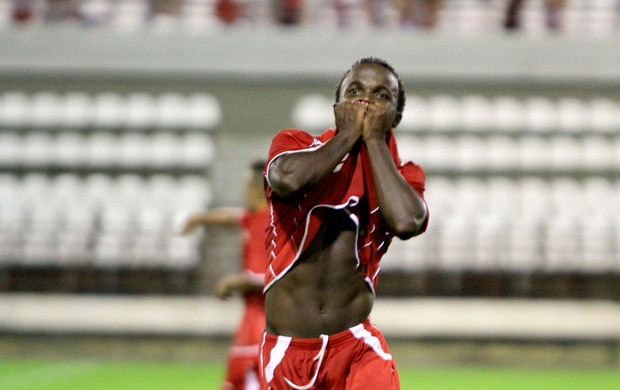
226	286
350	117
189	226
377	122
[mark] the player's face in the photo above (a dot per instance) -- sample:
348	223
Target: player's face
371	83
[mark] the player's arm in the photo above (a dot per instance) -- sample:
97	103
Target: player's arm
401	206
294	173
220	216
241	282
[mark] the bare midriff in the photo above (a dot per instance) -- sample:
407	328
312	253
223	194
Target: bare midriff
325	292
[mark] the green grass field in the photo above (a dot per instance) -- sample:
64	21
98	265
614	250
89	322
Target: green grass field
126	375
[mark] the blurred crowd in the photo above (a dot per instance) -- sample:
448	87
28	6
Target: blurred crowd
405	14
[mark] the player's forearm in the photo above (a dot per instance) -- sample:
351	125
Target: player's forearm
240	282
401	207
224	216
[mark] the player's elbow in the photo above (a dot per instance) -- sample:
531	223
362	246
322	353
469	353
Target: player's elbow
409	225
285	185
285	188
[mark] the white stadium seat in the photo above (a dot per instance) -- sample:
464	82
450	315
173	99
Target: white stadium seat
204	112
14	109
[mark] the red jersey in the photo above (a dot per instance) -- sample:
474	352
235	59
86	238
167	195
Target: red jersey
244	353
349	187
254	227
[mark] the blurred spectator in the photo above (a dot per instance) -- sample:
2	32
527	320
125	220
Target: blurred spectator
288	12
418	13
553	10
164	12
230	11
374	9
61	10
22	11
55	11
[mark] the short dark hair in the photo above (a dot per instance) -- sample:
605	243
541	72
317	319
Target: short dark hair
257	166
256	173
400	104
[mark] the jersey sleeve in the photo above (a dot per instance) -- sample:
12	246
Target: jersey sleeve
415	176
288	140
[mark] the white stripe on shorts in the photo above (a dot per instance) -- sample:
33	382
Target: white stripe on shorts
361	333
276	355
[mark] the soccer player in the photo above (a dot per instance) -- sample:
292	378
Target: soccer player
336	202
242	370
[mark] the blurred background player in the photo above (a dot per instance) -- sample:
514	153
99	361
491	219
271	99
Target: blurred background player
242	370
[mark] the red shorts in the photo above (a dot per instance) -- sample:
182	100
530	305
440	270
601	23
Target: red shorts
354	359
242	371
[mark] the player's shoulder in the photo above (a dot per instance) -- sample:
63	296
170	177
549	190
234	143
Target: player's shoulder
292	132
302	137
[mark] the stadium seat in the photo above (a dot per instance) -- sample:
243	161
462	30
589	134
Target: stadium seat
45	110
491	241
11	149
204	112
71	149
171	111
141	111
445	113
457	243
162	191
604	115
535	153
562	243
597	243
183	252
197	150
566	153
525	241
472	153
416	116
598	153
314	113
103	150
39	148
166	150
573	115
14	109
110	111
441	153
503	152
477	113
135	150
509	114
541	114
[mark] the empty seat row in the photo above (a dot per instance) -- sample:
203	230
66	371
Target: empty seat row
109	110
99	221
467	153
477	113
518	198
127	193
100	149
527	225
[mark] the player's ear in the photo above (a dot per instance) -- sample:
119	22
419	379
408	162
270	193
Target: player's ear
397	119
